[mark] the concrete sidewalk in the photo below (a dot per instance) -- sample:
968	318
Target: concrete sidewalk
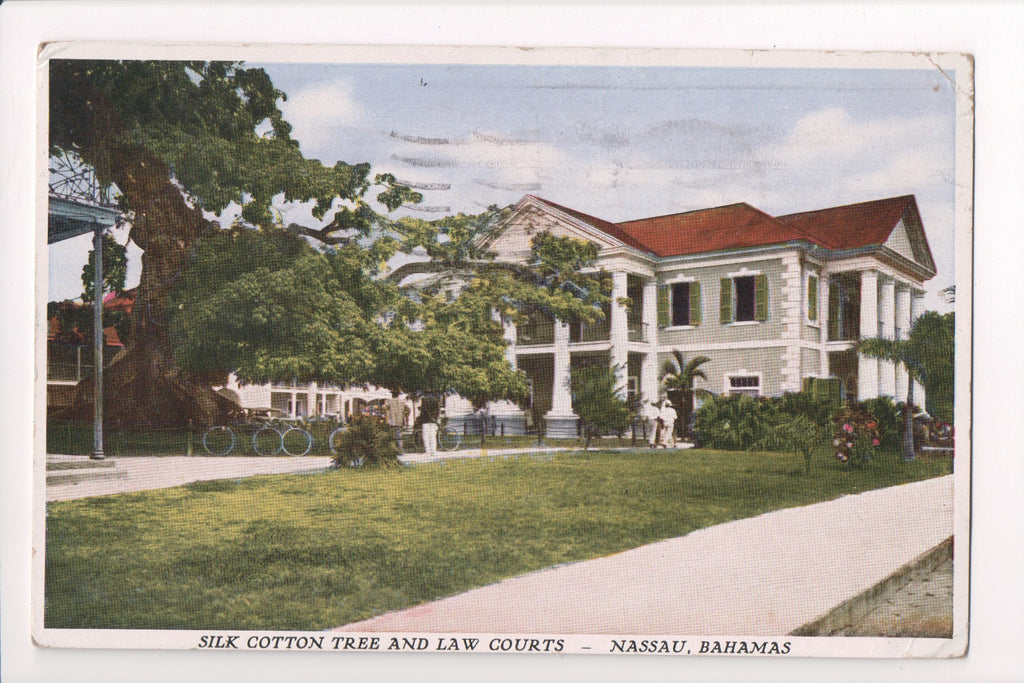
767	575
144	473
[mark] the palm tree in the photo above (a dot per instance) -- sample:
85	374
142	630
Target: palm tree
925	353
678	376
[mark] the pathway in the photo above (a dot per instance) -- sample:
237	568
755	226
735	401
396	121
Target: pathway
766	575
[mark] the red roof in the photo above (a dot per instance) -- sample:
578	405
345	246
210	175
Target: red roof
735	226
739	226
853	225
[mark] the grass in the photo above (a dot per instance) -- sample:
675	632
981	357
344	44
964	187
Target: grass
317	551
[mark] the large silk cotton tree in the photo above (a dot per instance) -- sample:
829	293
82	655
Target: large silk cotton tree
183	141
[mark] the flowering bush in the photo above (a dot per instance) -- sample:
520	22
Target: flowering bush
856	436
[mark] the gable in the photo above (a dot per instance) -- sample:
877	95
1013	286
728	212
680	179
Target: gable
899	241
513	241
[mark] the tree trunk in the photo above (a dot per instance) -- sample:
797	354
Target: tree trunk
908	421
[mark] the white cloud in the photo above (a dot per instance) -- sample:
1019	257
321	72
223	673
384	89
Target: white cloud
315	110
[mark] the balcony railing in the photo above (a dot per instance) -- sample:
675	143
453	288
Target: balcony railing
535	334
637	331
583	332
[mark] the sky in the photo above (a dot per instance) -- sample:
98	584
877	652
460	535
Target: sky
625	143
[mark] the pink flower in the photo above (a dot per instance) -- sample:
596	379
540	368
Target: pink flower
848	429
870	425
874	442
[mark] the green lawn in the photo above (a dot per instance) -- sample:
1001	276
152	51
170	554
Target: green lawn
316	551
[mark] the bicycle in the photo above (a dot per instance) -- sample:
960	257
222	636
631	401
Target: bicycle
447	439
269	438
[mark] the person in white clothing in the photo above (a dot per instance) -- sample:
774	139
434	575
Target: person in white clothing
668	425
651	422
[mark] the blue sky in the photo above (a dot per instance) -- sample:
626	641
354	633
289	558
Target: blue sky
624	143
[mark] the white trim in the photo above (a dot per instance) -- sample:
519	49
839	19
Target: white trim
743	323
679	279
744	272
679	328
756	344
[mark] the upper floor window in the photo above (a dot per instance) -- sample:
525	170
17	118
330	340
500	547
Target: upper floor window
812	298
679	304
744	298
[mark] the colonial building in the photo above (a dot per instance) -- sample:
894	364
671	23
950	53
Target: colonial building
769	299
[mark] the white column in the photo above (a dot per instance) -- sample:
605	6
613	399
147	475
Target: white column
867	368
887	329
561	421
649	368
311	399
902	328
916	309
509	334
619	330
823	313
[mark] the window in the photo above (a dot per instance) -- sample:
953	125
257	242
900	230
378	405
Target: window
749	385
685	303
812	298
679	304
744	299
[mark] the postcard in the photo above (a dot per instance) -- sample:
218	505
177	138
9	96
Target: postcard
491	350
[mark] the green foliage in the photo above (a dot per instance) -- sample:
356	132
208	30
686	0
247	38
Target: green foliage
889	417
115	269
216	125
367	442
595	399
793	422
856	438
928	356
817	409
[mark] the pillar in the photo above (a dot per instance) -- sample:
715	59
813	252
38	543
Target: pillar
823	314
619	331
867	368
560	420
97	347
887	329
311	400
649	367
916	309
902	328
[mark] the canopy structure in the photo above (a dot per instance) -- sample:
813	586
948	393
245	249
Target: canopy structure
70	217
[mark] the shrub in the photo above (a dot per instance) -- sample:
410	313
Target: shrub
889	416
738	423
790	423
367	442
856	437
817	409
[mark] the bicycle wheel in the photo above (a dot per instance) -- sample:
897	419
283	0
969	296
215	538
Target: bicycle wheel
296	441
448	440
267	441
335	439
219	440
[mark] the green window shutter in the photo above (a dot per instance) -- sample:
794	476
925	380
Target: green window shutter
761	298
695	303
812	298
663	306
725	301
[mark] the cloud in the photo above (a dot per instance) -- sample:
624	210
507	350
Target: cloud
315	111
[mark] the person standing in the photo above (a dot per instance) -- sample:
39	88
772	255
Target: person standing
396	413
668	419
651	422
